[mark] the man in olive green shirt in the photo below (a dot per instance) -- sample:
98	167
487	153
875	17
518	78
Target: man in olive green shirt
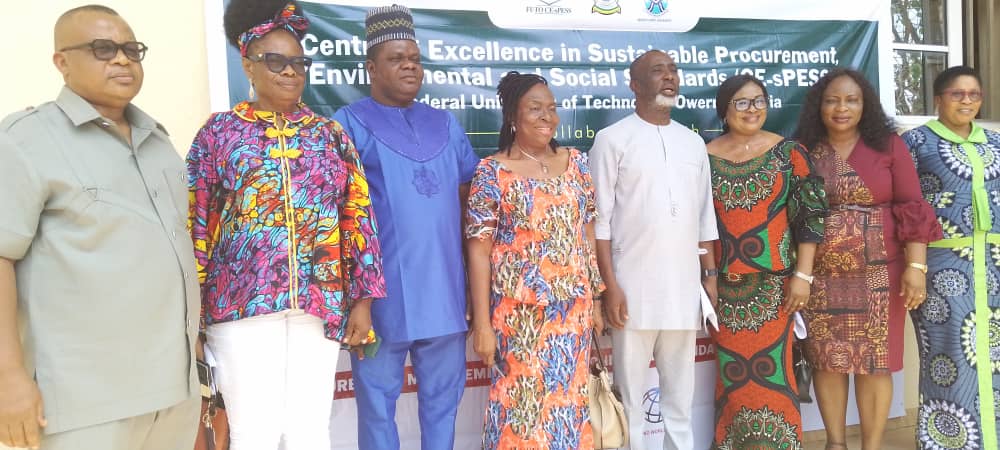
96	264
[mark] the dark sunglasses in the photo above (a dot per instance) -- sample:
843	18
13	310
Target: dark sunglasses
276	63
106	49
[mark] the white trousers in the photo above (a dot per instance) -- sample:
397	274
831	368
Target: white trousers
276	373
674	352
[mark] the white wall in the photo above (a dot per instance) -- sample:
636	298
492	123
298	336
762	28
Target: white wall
175	90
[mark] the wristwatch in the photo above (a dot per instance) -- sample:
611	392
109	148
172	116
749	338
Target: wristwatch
808	278
918	266
709	273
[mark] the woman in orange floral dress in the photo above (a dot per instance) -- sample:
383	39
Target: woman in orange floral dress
533	276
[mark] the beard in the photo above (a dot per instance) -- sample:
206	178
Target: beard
664	101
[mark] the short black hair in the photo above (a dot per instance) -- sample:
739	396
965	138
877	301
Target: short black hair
242	15
728	89
511	88
875	126
948	76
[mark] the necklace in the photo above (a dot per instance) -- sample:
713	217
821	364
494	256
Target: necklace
744	155
545	167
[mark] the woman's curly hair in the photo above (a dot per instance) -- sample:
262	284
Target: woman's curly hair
875	126
242	15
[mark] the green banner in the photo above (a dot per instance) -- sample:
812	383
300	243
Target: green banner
465	55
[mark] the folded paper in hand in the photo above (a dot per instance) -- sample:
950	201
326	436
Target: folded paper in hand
800	325
708	316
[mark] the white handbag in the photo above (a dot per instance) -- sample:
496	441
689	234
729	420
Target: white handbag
607	416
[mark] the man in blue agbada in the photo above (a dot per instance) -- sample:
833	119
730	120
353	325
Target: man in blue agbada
419	163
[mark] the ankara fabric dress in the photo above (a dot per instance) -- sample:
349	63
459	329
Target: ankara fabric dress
765	206
542	288
962	289
856	315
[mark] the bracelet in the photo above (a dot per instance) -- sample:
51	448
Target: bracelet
807	278
709	273
918	266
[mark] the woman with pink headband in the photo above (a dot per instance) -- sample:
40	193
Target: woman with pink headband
285	240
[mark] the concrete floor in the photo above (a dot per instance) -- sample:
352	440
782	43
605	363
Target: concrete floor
902	438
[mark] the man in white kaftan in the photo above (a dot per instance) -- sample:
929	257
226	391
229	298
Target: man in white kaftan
655	228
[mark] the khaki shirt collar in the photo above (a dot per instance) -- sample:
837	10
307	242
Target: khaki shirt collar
80	111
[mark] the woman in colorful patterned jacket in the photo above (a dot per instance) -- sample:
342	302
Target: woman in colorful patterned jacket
284	238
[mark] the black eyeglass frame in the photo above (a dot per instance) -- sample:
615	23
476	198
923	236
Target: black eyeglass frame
272	61
759	102
135	51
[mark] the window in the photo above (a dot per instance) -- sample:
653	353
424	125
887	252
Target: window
926	40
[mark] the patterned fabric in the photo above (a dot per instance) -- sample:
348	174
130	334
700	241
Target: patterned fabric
388	23
281	218
755	402
544	280
285	19
765	205
855	315
949	414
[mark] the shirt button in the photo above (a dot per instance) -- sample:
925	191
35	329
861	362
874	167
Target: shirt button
154	193
175	234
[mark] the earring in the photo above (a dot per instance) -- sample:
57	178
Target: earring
251	94
513	129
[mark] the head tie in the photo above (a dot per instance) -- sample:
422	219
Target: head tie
285	19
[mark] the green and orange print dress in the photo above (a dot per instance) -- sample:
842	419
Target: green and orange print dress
541	299
765	206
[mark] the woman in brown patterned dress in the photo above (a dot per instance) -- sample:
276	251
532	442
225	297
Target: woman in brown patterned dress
870	267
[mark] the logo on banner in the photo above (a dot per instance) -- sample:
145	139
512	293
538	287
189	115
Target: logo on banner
548	7
656	7
606	7
651	405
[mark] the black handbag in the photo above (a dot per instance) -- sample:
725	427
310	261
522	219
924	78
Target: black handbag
803	372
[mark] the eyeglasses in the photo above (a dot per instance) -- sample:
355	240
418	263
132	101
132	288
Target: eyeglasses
743	104
106	49
276	62
957	95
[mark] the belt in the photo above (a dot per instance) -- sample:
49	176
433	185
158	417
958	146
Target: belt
859	208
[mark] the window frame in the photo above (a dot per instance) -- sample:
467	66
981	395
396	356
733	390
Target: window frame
954	49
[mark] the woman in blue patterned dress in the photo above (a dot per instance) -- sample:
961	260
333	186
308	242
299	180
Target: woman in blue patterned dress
958	326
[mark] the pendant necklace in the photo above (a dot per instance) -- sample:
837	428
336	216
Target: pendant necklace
545	167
